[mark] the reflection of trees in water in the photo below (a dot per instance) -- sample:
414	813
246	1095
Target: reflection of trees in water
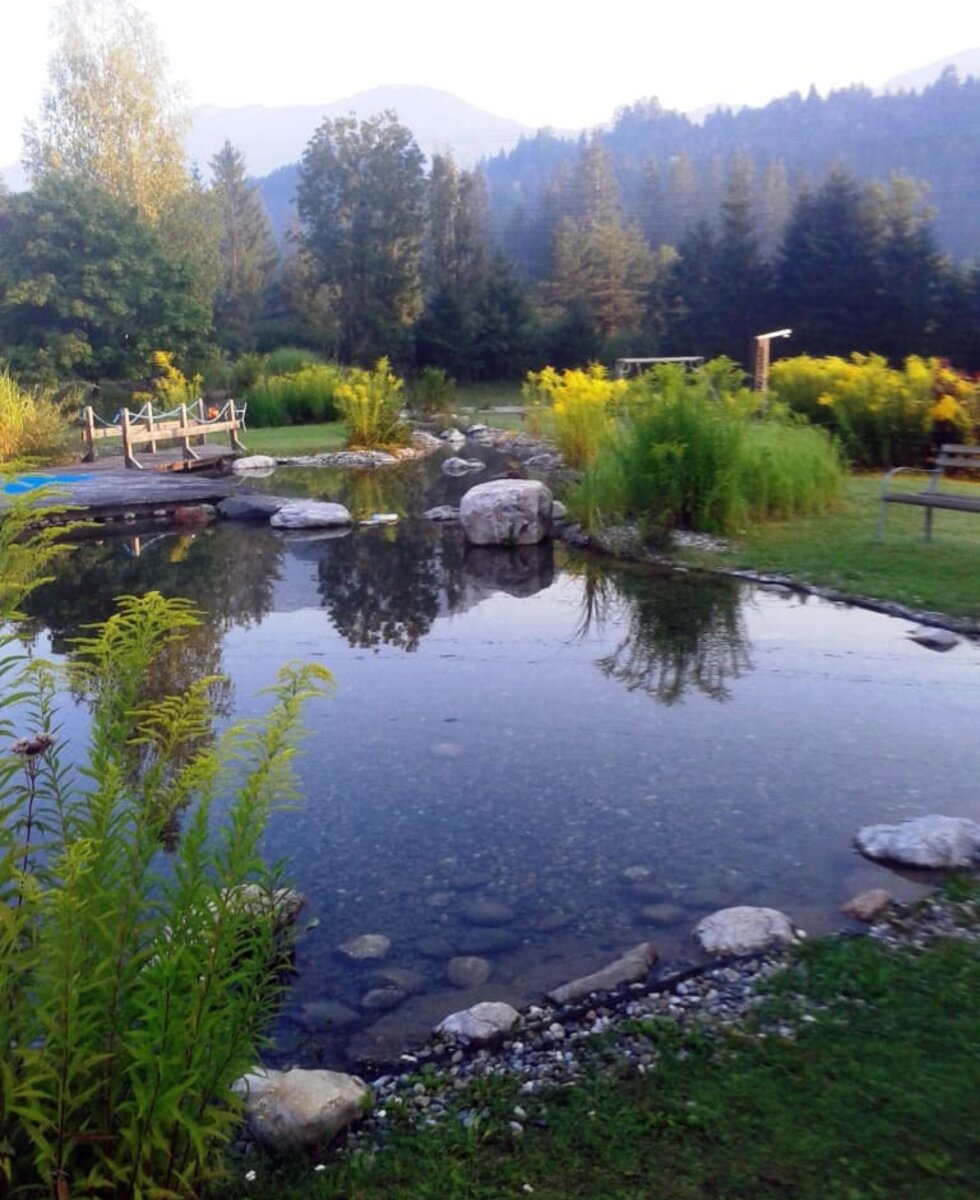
685	632
387	588
227	573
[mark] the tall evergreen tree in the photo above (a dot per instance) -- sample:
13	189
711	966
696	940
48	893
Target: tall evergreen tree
361	204
829	276
910	270
248	253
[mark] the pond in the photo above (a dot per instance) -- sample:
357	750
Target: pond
513	731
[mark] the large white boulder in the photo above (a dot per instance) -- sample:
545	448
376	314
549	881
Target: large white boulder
932	841
743	930
310	514
482	1023
253	462
506	512
297	1109
634	965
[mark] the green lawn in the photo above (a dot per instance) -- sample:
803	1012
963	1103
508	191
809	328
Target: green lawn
296	439
840	550
876	1097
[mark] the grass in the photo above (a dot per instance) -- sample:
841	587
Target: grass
296	439
876	1098
839	550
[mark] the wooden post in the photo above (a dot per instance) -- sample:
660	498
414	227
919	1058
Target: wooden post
128	457
149	426
88	433
201	416
184	433
231	414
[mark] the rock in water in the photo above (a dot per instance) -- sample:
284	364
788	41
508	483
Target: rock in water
253	462
482	1023
633	966
367	946
461	466
297	1109
251	506
506	512
310	514
468	971
934	639
743	930
932	841
867	905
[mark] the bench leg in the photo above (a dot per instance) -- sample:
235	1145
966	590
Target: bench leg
928	530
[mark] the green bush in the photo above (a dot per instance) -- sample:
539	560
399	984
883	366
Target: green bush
288	360
883	417
432	392
133	991
309	396
688	451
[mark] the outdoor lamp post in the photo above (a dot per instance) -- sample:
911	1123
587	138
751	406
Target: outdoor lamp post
760	381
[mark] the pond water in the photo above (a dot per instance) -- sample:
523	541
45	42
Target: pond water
512	731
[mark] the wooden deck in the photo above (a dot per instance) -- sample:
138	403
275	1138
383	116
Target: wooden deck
106	493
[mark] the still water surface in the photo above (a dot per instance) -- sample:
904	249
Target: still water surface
521	728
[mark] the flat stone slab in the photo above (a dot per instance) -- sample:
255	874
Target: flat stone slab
930	841
310	514
251	506
633	966
366	947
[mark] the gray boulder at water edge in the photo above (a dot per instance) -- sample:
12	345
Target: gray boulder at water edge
482	1023
294	1110
506	512
461	466
253	462
932	841
743	930
251	506
310	514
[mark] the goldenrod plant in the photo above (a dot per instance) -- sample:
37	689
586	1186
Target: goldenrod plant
370	403
135	986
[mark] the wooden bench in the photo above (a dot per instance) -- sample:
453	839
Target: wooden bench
145	428
949	458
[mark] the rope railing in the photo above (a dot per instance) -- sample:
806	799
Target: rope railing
148	427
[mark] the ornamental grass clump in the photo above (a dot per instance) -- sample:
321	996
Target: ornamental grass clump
371	403
307	396
689	450
32	424
574	407
134	987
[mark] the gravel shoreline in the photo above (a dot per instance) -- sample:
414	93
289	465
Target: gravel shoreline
554	1046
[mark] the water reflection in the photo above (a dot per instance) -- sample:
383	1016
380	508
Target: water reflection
682	635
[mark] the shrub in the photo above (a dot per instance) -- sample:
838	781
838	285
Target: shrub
308	396
133	992
32	424
687	451
288	360
882	416
370	402
574	407
432	392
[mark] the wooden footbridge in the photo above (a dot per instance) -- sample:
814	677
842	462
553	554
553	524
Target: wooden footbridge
156	486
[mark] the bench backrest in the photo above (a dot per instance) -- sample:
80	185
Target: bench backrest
959	458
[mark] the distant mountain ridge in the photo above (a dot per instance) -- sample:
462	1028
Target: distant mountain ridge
966	63
271	138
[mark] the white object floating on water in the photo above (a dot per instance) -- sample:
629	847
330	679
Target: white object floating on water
381	519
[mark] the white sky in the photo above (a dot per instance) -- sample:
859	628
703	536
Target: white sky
544	62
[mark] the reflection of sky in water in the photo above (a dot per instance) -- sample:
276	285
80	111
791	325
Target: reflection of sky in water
498	758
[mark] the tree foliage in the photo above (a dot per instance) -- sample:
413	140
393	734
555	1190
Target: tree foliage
361	200
109	115
85	286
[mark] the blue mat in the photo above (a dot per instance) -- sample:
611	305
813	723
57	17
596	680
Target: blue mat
30	483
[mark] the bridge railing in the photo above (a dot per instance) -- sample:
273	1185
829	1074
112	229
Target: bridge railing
187	424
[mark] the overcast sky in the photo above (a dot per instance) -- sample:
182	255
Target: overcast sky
544	62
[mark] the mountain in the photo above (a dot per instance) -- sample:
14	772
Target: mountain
966	63
272	137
